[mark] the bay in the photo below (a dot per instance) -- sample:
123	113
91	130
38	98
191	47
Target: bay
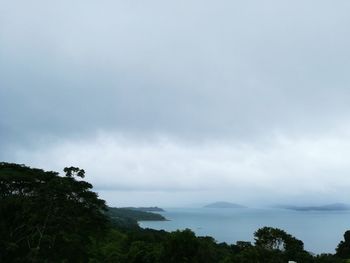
321	231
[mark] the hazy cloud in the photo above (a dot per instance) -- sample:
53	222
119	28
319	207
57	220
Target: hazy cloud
283	169
192	96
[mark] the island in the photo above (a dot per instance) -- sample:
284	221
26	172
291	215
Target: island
222	204
329	207
146	209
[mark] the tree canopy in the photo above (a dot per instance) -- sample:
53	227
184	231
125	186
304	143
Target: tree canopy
44	215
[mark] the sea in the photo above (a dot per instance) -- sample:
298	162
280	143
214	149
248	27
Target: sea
321	231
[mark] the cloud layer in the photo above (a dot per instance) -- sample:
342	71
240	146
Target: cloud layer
170	172
193	96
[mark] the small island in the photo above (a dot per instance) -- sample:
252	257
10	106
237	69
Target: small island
146	209
329	207
223	205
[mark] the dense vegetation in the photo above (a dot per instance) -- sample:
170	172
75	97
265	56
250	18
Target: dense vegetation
45	217
128	217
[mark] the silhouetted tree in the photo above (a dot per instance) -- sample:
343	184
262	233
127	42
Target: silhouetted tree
74	171
46	216
343	249
274	239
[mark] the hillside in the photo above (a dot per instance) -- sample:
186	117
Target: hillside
128	217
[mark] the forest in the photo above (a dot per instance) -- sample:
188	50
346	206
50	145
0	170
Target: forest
47	217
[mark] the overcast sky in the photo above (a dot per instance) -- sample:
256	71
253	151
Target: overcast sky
182	102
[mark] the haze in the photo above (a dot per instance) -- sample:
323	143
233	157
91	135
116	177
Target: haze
174	103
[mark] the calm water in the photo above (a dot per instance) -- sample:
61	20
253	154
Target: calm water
320	231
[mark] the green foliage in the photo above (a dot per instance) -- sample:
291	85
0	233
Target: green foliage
328	258
46	216
343	249
74	171
141	251
128	218
276	241
181	246
110	248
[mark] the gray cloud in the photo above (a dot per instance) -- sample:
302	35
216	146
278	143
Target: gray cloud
198	73
283	169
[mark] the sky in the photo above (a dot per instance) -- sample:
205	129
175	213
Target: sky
180	103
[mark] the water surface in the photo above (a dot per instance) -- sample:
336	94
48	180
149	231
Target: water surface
321	231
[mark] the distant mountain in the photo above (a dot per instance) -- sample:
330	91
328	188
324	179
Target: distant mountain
146	209
224	205
329	207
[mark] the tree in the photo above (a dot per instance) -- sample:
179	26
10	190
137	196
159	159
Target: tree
327	258
181	246
277	239
74	171
47	216
343	249
274	239
270	238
